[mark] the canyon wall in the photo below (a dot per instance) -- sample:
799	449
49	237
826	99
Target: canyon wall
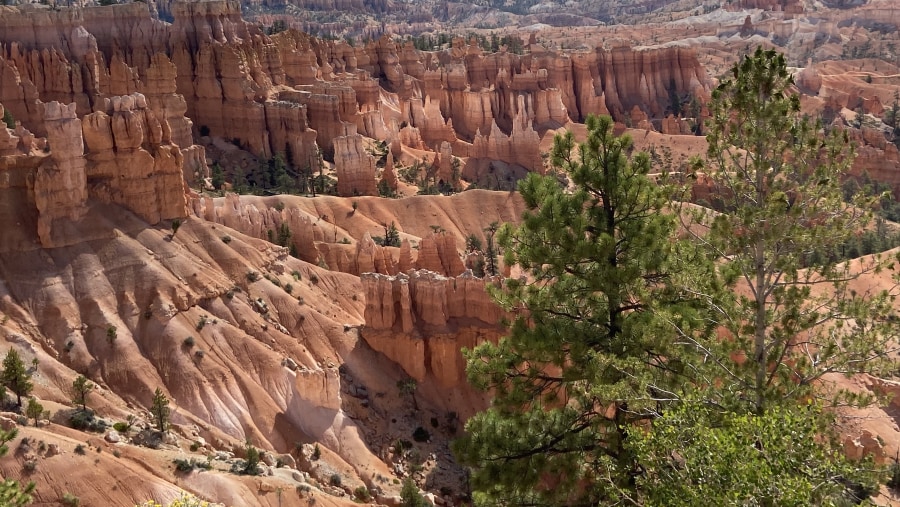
421	320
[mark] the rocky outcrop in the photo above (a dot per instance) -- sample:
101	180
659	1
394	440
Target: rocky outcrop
438	253
355	168
60	184
407	318
132	160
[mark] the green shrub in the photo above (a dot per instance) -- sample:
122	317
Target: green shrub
226	239
122	427
84	420
335	480
894	479
79	449
70	500
362	494
188	465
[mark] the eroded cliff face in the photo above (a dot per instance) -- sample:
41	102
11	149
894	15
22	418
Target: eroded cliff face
124	155
422	320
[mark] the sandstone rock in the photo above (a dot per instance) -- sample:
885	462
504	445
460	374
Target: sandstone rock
112	436
355	168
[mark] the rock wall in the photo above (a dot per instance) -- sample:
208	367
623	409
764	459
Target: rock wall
409	318
132	161
60	183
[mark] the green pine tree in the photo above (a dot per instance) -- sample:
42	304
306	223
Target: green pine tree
160	410
81	387
779	181
15	376
34	410
754	431
593	351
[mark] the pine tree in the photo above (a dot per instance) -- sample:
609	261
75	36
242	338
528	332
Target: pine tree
754	431
34	410
81	387
592	351
15	376
779	182
490	253
410	496
160	410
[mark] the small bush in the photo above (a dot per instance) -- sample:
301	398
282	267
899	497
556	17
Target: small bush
317	453
335	480
195	446
79	449
29	466
188	342
421	435
226	239
202	322
84	420
296	275
252	276
199	354
185	465
288	288
122	427
362	494
401	446
314	278
70	500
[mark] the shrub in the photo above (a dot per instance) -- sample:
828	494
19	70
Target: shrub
401	446
317	453
70	500
199	354
111	333
188	342
79	449
314	278
226	239
252	276
894	479
335	480
296	275
84	420
201	322
29	466
122	427
421	435
362	494
185	465
288	288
